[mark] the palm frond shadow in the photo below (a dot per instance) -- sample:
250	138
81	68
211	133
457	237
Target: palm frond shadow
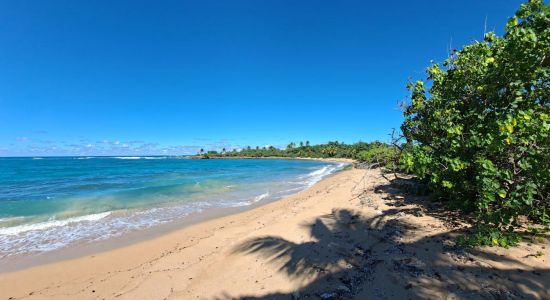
314	257
350	256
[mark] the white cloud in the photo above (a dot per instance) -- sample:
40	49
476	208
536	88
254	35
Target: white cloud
110	147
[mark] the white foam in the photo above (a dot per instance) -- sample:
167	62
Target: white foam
315	176
127	157
55	234
261	197
319	172
49	224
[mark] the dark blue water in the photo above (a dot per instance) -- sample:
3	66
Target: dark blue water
47	203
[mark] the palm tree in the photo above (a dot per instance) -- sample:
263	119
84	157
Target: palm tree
201	151
307	143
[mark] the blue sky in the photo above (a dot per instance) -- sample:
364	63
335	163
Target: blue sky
169	77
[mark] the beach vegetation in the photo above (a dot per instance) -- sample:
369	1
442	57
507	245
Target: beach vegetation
376	153
478	128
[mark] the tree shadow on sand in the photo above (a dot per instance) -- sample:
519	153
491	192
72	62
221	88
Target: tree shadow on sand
354	256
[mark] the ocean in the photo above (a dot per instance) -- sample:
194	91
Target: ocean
47	203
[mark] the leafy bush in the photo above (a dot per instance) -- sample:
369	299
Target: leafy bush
486	235
479	133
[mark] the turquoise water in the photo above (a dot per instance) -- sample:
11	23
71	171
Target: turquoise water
48	203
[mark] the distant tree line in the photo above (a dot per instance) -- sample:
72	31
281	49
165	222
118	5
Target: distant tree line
374	152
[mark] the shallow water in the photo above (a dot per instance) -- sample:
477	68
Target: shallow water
48	203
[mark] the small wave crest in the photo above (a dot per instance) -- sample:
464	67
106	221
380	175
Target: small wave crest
55	234
49	224
319	172
249	201
315	176
261	197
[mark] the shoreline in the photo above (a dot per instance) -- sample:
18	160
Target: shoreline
352	234
82	249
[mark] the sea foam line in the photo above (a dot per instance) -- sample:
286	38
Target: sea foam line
49	224
315	176
261	197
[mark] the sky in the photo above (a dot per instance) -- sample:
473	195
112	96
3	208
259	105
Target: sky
171	77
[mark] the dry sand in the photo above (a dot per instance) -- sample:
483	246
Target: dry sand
352	235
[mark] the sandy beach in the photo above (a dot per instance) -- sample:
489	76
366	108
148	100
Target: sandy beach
352	235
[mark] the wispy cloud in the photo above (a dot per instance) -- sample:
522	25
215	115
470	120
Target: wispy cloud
84	146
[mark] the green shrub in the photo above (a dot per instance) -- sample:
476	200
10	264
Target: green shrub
479	132
484	235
